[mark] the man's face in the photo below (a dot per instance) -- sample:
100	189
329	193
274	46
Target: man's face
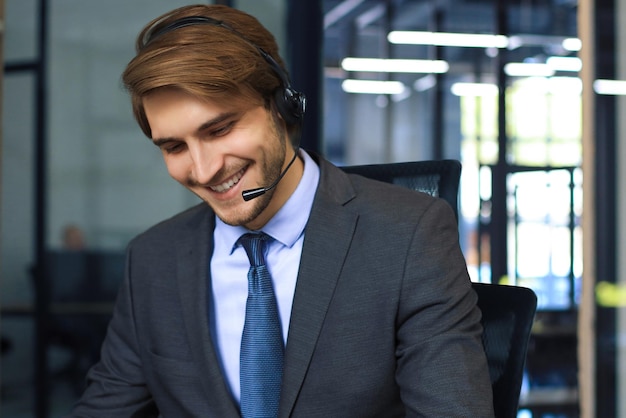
218	150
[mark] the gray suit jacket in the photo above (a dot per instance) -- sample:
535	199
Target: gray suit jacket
384	321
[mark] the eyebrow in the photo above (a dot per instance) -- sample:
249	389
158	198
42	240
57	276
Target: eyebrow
203	127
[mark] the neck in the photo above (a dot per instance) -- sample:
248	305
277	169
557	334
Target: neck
283	190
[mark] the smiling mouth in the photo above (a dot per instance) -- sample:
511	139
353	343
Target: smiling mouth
227	185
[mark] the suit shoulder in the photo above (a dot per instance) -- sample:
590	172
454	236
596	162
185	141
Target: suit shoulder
377	190
177	225
396	202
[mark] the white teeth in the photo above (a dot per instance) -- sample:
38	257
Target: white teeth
228	184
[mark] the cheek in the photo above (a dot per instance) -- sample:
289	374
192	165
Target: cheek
176	168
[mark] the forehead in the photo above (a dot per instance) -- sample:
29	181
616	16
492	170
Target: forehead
166	97
174	113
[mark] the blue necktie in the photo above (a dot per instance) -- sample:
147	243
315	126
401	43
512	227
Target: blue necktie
262	348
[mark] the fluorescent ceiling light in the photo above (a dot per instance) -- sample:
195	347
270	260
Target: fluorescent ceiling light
474	89
573	64
568	44
381	65
565	85
526	69
610	87
372	87
572	44
470	40
479	40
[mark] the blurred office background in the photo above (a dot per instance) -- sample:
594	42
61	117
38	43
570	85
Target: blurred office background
525	93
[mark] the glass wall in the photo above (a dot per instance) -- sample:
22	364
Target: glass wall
73	154
103	183
495	85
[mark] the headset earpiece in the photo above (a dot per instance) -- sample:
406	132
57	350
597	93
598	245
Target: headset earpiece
290	104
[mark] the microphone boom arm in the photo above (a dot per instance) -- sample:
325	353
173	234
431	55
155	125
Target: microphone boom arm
254	193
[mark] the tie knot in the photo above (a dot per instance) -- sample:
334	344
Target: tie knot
254	244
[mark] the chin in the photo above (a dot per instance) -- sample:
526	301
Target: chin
245	213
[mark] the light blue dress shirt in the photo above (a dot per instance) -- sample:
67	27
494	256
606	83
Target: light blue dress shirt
229	271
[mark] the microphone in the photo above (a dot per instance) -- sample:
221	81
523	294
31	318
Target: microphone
254	193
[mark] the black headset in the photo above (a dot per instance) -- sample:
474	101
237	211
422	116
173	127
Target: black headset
290	103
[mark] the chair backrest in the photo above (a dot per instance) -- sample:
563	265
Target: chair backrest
436	177
508	311
508	315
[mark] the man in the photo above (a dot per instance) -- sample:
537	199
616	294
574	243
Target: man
375	312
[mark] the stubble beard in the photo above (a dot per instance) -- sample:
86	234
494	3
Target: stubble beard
271	170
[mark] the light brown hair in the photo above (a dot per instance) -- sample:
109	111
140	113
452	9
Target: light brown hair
205	60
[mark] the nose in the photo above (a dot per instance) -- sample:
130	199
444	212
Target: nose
204	162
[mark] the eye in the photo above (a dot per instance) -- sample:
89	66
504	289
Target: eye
223	130
172	147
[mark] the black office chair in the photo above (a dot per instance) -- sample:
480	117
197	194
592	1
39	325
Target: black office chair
438	178
508	311
508	315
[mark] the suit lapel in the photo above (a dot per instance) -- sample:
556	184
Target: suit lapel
328	236
193	254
